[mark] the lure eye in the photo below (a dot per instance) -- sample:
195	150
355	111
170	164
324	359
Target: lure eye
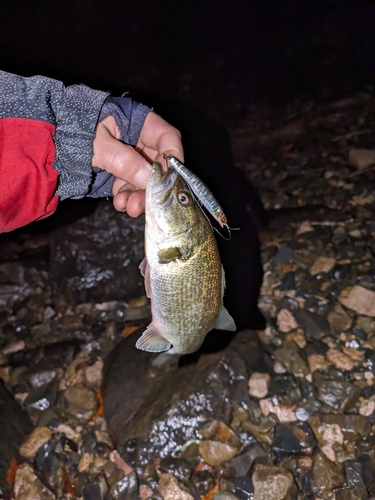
183	198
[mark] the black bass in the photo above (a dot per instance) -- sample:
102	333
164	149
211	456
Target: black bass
183	274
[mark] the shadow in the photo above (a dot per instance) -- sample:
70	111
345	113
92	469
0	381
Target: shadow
208	153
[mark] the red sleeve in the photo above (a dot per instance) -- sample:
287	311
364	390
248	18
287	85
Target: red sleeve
27	179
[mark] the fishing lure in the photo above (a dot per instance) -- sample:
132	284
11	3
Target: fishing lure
200	190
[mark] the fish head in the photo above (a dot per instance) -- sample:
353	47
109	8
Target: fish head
170	205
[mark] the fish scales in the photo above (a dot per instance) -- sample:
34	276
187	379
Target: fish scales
185	297
183	274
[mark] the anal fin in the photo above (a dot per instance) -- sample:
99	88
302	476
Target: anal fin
225	321
151	341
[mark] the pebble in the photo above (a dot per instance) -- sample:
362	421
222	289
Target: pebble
339	319
81	402
245	460
273	483
361	158
286	321
352	426
220	431
283	413
259	384
317	362
36	440
293	360
93	374
27	485
293	439
225	495
367	407
171	490
340	360
358	299
179	467
85	461
331	434
327	475
145	492
215	452
338	394
322	265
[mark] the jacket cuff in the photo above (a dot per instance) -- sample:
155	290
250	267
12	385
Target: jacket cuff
75	133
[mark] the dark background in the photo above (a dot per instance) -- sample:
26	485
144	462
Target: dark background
224	56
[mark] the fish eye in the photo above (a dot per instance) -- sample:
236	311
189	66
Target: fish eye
183	198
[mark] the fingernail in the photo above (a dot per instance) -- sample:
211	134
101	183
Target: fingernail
141	177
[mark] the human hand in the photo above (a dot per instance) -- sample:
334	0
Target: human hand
132	166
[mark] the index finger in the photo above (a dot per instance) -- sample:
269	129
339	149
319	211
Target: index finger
159	135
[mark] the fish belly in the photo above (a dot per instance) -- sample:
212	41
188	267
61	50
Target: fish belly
186	297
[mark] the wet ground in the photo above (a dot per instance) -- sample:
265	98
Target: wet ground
284	412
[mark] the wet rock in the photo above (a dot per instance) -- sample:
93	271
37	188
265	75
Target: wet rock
358	299
215	452
322	265
293	360
243	462
15	424
28	486
243	488
316	326
225	495
110	248
356	493
339	319
352	426
42	397
284	255
179	467
273	483
259	384
361	158
37	438
125	488
337	394
219	431
353	473
80	403
307	409
170	489
203	482
151	413
293	439
284	389
327	476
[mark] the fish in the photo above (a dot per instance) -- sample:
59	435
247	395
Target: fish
184	277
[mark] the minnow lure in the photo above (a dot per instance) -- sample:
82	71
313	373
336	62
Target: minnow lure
201	191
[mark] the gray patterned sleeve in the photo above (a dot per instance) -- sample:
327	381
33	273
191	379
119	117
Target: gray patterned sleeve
73	110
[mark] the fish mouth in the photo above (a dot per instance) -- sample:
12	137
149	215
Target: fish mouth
161	183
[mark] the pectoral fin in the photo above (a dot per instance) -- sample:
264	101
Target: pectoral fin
151	341
144	269
168	254
225	321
